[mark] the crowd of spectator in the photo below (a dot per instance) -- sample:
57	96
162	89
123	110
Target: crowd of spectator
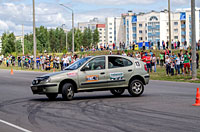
175	64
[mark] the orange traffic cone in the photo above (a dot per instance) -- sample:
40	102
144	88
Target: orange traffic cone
197	98
54	70
11	72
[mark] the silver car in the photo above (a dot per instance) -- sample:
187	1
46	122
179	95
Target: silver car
107	72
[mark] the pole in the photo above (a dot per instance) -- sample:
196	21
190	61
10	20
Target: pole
23	38
73	32
169	15
66	41
194	70
34	38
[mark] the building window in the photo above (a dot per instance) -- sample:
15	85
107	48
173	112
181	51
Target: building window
110	32
140	31
140	25
175	37
110	37
110	23
176	30
175	23
110	28
140	38
110	41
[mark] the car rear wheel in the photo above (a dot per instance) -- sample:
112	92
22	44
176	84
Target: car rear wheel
136	88
117	91
52	96
68	91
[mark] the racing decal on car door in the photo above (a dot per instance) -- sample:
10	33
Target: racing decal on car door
137	64
92	78
117	76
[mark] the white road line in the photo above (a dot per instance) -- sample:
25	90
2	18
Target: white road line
12	125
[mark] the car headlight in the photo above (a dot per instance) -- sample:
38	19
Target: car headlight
48	80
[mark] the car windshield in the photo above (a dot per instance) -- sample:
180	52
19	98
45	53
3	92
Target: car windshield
77	64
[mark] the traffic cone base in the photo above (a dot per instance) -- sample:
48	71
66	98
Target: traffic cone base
197	98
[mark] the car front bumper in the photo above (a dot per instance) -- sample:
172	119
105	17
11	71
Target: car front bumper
44	88
146	79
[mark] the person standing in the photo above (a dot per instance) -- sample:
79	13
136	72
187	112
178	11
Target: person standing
197	55
182	62
143	45
161	59
154	62
172	44
167	44
158	44
133	46
168	65
178	44
178	63
163	43
148	61
186	62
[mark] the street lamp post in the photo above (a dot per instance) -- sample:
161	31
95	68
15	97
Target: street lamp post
72	26
169	23
194	70
34	38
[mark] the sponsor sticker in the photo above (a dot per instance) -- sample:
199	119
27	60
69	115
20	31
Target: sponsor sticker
117	76
137	64
72	74
92	78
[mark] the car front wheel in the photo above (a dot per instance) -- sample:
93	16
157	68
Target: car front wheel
52	96
68	91
136	88
117	91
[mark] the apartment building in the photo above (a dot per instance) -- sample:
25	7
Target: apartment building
153	26
102	38
91	25
114	31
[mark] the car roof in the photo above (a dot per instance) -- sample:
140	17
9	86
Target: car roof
114	56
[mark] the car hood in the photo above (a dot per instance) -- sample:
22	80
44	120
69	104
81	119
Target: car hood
56	73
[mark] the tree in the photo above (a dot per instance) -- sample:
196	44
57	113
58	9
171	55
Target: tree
95	37
8	43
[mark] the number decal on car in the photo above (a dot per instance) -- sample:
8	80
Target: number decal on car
137	64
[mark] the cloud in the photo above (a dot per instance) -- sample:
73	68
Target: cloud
116	2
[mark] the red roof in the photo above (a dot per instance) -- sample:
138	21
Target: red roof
101	26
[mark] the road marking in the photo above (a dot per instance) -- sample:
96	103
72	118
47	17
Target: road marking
12	125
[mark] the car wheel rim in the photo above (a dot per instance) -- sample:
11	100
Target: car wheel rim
137	88
69	92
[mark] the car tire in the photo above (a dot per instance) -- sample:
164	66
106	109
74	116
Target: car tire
67	91
117	91
52	96
136	88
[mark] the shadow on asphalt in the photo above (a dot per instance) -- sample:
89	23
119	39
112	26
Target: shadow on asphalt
83	98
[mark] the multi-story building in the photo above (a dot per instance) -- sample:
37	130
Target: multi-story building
102	37
91	25
152	26
114	30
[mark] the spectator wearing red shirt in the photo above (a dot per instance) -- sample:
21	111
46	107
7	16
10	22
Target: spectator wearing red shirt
148	61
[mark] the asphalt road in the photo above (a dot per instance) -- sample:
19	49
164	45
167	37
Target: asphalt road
164	107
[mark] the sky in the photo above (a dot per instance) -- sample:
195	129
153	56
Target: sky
49	13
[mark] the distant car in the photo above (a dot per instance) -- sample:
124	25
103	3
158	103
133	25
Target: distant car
108	72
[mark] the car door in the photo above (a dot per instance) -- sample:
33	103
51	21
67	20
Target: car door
119	71
93	74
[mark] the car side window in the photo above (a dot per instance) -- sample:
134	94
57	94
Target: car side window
96	64
116	62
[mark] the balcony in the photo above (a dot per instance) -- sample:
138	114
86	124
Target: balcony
183	33
183	26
